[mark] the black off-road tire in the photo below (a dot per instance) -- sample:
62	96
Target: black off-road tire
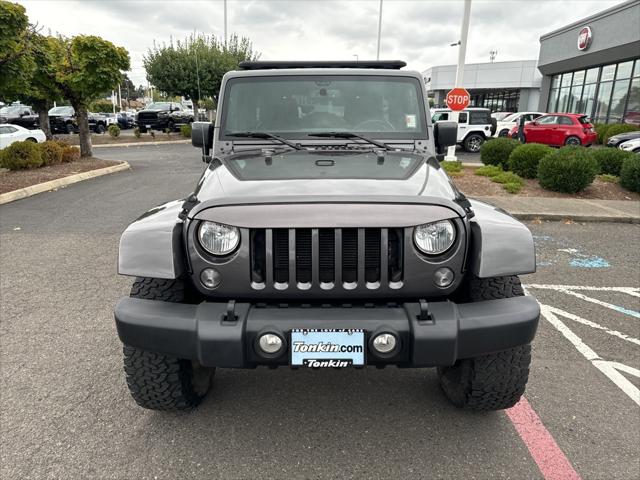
162	382
488	382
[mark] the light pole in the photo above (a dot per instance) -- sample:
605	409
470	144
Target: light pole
462	50
379	29
357	57
225	23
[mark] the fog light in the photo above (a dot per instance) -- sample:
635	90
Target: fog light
384	343
270	343
210	278
443	277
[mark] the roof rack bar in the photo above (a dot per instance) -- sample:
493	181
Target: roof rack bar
279	64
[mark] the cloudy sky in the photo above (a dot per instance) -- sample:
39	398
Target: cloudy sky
418	31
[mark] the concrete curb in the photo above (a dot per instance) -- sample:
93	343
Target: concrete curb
60	182
575	218
141	144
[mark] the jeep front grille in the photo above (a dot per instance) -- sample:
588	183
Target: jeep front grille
328	258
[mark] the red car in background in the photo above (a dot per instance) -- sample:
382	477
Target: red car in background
558	129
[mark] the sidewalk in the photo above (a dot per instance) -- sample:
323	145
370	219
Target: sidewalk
530	208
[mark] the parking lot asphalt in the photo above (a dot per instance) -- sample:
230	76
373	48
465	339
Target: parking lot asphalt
66	413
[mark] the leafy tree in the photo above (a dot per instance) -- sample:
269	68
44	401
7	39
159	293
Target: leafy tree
16	37
127	89
43	88
194	68
85	66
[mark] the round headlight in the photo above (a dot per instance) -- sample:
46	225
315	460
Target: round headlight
434	238
217	238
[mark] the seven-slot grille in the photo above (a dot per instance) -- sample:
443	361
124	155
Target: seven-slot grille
328	258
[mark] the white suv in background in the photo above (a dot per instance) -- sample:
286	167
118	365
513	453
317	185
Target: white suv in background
512	120
475	125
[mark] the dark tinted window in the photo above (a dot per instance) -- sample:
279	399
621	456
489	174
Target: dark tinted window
565	121
462	117
479	117
584	120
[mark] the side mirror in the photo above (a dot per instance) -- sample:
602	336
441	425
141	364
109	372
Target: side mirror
445	135
202	137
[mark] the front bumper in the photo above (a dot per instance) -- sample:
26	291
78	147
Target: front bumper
207	333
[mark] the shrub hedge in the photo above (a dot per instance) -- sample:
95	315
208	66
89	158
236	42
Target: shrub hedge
51	153
525	158
617	129
568	170
496	151
21	155
70	154
136	132
114	130
630	173
601	130
186	130
610	159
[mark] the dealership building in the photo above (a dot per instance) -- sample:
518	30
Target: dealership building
591	66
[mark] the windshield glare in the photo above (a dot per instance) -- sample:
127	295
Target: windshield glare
61	111
159	106
379	106
12	109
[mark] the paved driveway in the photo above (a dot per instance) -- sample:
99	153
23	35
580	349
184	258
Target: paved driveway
66	412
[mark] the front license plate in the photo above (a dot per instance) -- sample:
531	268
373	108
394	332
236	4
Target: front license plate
327	348
147	126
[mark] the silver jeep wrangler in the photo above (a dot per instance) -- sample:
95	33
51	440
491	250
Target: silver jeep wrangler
324	233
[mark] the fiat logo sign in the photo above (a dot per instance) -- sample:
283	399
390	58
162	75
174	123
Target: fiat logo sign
584	38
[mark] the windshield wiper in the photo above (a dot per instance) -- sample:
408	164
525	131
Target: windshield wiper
350	135
264	135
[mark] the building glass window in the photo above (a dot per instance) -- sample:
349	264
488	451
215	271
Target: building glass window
632	113
624	70
618	100
602	104
588	98
591	75
607	94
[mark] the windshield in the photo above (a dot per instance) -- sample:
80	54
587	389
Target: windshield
61	111
377	106
511	118
159	106
12	109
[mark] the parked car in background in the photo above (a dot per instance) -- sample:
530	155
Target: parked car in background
631	145
513	120
63	120
557	129
10	133
617	140
500	115
18	114
125	120
109	118
475	125
163	115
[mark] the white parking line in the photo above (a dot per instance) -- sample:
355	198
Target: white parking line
610	306
589	323
628	290
610	369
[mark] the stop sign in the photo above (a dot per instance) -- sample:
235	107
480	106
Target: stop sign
458	99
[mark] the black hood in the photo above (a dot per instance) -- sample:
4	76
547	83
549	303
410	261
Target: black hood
319	173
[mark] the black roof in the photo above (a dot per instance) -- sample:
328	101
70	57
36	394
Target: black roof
378	64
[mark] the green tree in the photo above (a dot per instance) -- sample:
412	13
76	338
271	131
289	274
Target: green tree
43	89
194	68
16	36
85	66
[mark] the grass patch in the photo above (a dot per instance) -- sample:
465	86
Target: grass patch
453	169
511	182
512	187
608	178
489	171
